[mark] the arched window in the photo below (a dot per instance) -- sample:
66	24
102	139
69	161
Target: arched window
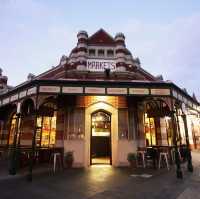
155	110
46	126
101	124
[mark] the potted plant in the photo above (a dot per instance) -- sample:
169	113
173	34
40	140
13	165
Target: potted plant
131	157
69	159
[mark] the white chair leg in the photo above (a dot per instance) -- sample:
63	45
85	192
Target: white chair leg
54	163
166	159
143	159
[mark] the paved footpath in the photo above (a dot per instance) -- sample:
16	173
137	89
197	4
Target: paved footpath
105	183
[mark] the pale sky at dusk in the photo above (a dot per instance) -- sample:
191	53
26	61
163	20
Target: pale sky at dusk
165	35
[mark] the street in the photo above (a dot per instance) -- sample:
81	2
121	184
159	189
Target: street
106	182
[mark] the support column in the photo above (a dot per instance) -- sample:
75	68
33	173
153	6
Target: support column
15	150
178	127
140	127
179	173
189	157
32	153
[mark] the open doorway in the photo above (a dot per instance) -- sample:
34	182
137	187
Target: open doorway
100	152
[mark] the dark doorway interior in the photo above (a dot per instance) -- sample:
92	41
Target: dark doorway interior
101	138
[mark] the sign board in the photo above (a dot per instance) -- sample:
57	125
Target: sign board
22	94
139	91
95	90
31	91
100	65
72	89
14	97
180	97
49	89
6	100
175	94
160	91
119	91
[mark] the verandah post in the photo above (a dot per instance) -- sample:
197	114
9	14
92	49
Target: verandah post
14	150
32	153
189	157
179	173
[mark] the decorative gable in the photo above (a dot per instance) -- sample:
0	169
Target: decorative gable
101	37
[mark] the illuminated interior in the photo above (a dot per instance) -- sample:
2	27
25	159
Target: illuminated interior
101	124
12	129
46	131
195	127
150	131
168	123
100	138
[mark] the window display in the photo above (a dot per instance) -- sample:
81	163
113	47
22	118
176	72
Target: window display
169	130
101	124
12	129
150	131
46	131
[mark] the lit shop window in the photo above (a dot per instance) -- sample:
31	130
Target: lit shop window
168	123
12	129
101	124
150	131
46	131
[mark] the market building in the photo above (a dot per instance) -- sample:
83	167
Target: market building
98	102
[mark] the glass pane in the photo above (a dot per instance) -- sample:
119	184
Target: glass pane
100	124
169	129
12	129
39	130
53	131
150	132
45	132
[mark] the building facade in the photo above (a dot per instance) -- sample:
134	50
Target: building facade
99	103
